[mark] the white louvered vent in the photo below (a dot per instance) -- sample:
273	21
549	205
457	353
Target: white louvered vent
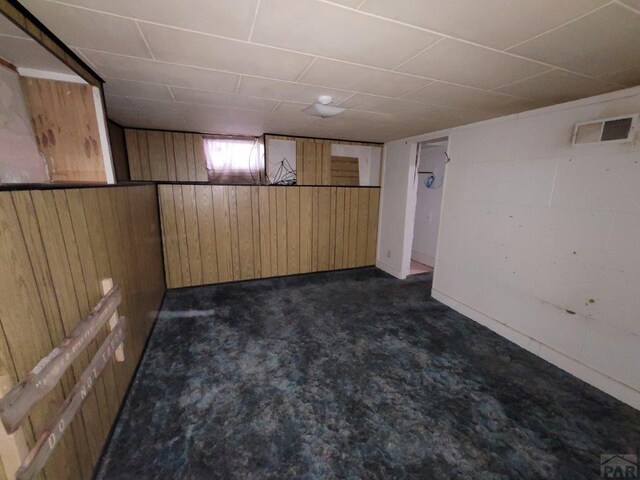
616	130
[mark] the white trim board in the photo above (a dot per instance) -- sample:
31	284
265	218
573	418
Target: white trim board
61	77
104	136
603	382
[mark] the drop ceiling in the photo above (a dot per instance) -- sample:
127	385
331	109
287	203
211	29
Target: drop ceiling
23	52
400	67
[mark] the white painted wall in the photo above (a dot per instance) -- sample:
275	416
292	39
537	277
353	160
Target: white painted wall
276	151
396	208
539	241
20	159
428	202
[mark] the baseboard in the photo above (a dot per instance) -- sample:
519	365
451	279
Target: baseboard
603	382
423	258
390	270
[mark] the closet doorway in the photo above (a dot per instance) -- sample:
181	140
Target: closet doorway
429	181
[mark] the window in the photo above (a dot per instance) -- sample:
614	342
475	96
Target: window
234	159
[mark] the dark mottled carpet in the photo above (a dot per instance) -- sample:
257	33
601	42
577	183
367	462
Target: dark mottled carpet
351	374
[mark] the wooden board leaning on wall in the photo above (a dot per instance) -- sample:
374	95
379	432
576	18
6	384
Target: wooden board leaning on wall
215	233
65	125
55	247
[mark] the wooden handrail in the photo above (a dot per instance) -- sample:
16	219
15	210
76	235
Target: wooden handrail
48	439
15	405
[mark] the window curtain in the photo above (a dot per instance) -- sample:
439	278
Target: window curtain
234	159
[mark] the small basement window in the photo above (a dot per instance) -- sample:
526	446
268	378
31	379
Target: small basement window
234	160
619	130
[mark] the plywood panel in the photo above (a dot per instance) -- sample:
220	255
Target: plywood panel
353	228
157	156
315	223
339	222
192	233
363	219
191	158
181	229
166	156
173	269
273	229
281	223
66	128
143	152
255	217
233	229
245	233
306	231
261	231
56	246
372	225
293	230
200	159
223	232
133	154
346	228
265	231
170	155
207	234
25	330
180	157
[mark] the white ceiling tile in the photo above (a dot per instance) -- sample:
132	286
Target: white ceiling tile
628	78
632	3
347	3
129	68
130	88
495	23
83	28
332	73
288	91
557	86
372	103
331	31
27	53
602	42
229	18
465	64
118	102
223	99
188	48
438	93
288	112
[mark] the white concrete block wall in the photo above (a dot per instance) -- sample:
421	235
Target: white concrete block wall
540	240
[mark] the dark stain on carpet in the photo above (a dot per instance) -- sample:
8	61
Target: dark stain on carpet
351	374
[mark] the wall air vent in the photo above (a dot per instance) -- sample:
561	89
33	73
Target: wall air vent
606	130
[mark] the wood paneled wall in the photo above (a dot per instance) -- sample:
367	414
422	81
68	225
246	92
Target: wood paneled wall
118	151
313	162
65	125
166	156
215	233
55	247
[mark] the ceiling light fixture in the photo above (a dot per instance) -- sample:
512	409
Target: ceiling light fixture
322	107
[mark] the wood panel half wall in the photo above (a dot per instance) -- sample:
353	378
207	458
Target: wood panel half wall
215	233
156	155
55	248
